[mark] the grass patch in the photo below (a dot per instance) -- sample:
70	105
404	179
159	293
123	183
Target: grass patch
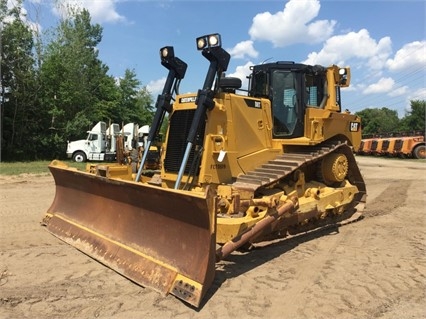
36	167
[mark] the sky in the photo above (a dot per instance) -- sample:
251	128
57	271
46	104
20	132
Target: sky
384	42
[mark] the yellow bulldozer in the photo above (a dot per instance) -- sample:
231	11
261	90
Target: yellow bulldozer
238	166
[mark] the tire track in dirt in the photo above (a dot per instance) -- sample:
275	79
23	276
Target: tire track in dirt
385	203
367	279
308	269
62	279
57	289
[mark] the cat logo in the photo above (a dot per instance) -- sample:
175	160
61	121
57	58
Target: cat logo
354	126
188	99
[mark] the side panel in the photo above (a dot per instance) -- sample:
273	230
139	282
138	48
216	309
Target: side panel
237	129
321	125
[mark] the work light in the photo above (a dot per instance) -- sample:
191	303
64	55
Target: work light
167	53
208	41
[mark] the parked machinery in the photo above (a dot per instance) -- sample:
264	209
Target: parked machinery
237	167
405	145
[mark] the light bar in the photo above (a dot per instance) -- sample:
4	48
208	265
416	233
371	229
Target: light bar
209	41
167	53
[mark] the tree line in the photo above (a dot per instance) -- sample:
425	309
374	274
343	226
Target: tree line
54	88
383	121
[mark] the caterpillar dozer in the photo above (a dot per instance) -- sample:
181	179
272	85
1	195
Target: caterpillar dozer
239	166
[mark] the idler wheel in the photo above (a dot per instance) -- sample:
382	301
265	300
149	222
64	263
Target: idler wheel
334	168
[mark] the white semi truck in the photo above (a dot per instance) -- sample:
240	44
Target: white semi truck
100	144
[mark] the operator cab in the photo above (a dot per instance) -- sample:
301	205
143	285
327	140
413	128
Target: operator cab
290	87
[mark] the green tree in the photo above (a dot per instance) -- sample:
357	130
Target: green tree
127	89
62	90
415	119
134	104
379	121
76	87
20	116
144	106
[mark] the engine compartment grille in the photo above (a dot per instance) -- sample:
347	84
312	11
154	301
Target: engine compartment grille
179	126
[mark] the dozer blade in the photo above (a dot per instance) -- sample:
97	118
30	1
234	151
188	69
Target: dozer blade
160	238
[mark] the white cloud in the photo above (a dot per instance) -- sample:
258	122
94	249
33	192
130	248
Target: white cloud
292	25
100	11
409	55
10	4
340	48
398	91
242	72
155	87
419	94
242	49
23	16
382	86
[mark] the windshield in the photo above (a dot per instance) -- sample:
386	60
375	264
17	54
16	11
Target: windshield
259	87
284	102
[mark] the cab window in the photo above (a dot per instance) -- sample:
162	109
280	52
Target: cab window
284	103
315	88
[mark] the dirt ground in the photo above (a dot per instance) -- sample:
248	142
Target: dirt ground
374	268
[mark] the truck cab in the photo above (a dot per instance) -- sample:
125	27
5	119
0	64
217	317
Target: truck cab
99	144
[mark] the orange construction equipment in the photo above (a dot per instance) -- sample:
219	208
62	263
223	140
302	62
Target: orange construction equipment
401	145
